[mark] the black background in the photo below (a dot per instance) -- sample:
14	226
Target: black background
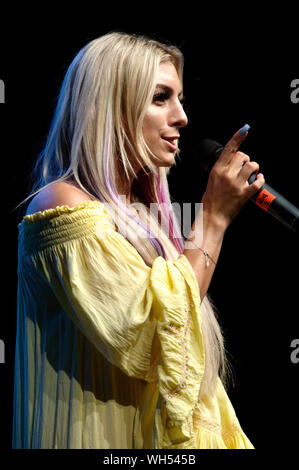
239	65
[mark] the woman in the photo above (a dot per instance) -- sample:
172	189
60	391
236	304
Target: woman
117	343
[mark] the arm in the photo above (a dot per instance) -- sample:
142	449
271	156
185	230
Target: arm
226	193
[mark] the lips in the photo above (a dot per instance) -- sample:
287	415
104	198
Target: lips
171	142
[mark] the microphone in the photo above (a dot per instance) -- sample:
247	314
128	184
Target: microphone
266	198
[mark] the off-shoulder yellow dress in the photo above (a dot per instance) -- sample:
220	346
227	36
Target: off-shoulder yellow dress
109	351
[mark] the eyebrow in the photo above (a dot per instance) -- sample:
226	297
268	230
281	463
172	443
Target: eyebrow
169	90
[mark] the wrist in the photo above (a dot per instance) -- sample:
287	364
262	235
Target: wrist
207	231
213	219
213	222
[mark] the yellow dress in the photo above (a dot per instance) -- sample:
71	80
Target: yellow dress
109	351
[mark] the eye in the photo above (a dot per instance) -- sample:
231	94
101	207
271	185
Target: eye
160	97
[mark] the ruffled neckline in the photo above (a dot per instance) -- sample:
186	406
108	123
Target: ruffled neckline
61	210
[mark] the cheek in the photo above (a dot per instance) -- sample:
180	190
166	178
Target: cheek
152	124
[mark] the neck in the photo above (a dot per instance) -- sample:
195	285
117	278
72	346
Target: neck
124	190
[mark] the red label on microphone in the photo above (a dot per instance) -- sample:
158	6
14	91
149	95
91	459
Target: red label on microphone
265	199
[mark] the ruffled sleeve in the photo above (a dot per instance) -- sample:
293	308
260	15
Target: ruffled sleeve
146	321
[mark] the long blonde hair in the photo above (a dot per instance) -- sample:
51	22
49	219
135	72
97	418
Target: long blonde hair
97	130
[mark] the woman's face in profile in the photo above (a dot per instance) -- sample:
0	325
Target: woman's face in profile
165	116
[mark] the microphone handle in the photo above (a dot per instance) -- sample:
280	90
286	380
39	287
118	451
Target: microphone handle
275	204
267	198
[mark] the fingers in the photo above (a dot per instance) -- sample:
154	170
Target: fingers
228	187
256	185
233	144
247	169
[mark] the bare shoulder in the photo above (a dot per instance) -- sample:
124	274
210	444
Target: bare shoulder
55	195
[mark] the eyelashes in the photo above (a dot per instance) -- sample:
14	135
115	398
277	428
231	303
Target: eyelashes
163	96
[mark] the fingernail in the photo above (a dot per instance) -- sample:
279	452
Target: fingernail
244	129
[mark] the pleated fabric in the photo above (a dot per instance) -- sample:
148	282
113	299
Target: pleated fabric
109	351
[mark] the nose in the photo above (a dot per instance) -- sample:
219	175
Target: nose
177	116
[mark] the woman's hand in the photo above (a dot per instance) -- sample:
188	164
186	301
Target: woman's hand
228	189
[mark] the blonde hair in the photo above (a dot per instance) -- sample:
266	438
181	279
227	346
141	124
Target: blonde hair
95	133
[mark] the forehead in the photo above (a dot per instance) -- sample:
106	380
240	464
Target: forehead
168	75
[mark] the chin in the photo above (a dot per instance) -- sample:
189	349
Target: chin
166	160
